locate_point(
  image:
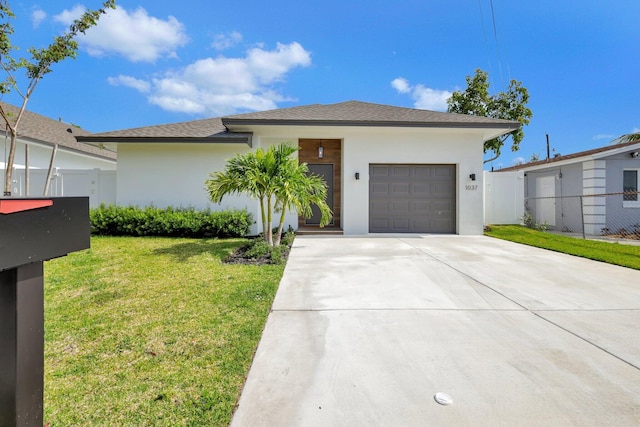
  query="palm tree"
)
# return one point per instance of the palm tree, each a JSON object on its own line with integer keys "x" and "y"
{"x": 297, "y": 189}
{"x": 630, "y": 137}
{"x": 276, "y": 180}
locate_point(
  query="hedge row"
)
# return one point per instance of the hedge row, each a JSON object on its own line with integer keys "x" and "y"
{"x": 151, "y": 221}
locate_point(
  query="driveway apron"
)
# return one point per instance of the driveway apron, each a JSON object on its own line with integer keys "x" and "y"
{"x": 368, "y": 331}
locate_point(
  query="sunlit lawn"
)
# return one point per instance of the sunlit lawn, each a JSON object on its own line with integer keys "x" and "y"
{"x": 151, "y": 331}
{"x": 612, "y": 253}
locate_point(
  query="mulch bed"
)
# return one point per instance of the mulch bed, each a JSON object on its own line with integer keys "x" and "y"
{"x": 239, "y": 257}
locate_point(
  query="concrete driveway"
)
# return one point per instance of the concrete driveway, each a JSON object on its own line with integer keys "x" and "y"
{"x": 366, "y": 330}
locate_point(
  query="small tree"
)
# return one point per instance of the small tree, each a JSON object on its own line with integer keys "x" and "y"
{"x": 277, "y": 181}
{"x": 62, "y": 47}
{"x": 509, "y": 105}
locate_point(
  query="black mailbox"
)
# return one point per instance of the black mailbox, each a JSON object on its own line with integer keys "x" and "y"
{"x": 31, "y": 231}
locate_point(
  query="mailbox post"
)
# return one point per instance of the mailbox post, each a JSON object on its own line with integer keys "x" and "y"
{"x": 31, "y": 231}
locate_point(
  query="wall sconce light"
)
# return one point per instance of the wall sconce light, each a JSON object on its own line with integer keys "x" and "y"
{"x": 320, "y": 152}
{"x": 635, "y": 154}
{"x": 472, "y": 177}
{"x": 357, "y": 175}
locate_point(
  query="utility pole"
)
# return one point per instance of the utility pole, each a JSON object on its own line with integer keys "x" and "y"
{"x": 548, "y": 152}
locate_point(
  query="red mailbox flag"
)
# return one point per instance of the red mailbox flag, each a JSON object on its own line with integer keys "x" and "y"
{"x": 9, "y": 206}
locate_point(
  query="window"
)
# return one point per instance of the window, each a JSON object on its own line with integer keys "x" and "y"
{"x": 630, "y": 188}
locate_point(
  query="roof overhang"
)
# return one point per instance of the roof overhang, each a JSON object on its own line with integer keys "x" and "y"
{"x": 488, "y": 130}
{"x": 572, "y": 158}
{"x": 227, "y": 138}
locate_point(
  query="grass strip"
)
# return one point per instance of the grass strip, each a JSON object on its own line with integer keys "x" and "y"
{"x": 151, "y": 331}
{"x": 609, "y": 252}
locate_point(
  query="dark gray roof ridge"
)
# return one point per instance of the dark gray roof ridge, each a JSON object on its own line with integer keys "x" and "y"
{"x": 359, "y": 113}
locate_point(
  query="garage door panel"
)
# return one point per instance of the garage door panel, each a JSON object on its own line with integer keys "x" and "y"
{"x": 401, "y": 207}
{"x": 401, "y": 224}
{"x": 380, "y": 188}
{"x": 441, "y": 188}
{"x": 380, "y": 224}
{"x": 421, "y": 189}
{"x": 400, "y": 171}
{"x": 400, "y": 188}
{"x": 412, "y": 198}
{"x": 443, "y": 171}
{"x": 422, "y": 171}
{"x": 382, "y": 207}
{"x": 378, "y": 171}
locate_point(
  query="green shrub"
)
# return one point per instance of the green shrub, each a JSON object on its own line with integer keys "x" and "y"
{"x": 151, "y": 221}
{"x": 529, "y": 221}
{"x": 258, "y": 248}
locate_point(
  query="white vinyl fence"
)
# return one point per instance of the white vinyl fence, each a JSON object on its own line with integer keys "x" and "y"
{"x": 98, "y": 184}
{"x": 503, "y": 197}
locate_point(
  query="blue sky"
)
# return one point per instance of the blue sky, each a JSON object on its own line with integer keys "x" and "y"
{"x": 159, "y": 61}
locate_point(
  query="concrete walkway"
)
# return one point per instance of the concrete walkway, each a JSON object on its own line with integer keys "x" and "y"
{"x": 366, "y": 330}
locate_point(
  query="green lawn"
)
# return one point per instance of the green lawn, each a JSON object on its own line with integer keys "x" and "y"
{"x": 612, "y": 253}
{"x": 151, "y": 331}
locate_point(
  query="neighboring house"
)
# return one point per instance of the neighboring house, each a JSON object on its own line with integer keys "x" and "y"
{"x": 41, "y": 134}
{"x": 388, "y": 169}
{"x": 595, "y": 189}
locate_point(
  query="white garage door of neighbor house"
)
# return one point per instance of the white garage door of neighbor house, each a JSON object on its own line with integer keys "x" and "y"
{"x": 406, "y": 198}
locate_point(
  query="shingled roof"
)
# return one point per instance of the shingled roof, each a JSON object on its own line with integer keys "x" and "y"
{"x": 44, "y": 130}
{"x": 351, "y": 113}
{"x": 633, "y": 145}
{"x": 357, "y": 113}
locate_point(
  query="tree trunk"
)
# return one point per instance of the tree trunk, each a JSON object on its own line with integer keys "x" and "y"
{"x": 264, "y": 219}
{"x": 268, "y": 232}
{"x": 278, "y": 238}
{"x": 48, "y": 180}
{"x": 8, "y": 173}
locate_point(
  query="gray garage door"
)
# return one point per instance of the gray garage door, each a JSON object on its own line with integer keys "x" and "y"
{"x": 412, "y": 198}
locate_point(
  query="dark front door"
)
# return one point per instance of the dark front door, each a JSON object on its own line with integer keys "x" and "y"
{"x": 326, "y": 172}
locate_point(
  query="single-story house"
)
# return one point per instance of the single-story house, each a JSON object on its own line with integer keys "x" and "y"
{"x": 389, "y": 169}
{"x": 596, "y": 189}
{"x": 41, "y": 133}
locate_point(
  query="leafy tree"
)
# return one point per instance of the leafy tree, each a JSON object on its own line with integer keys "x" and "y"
{"x": 279, "y": 183}
{"x": 63, "y": 47}
{"x": 509, "y": 105}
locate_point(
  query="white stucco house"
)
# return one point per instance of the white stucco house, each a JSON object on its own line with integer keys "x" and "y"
{"x": 595, "y": 191}
{"x": 41, "y": 133}
{"x": 389, "y": 169}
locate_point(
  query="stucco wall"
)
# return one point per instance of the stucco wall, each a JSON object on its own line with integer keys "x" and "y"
{"x": 165, "y": 175}
{"x": 620, "y": 214}
{"x": 174, "y": 174}
{"x": 362, "y": 146}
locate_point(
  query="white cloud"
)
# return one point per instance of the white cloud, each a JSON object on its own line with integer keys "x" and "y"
{"x": 222, "y": 85}
{"x": 424, "y": 98}
{"x": 67, "y": 17}
{"x": 518, "y": 161}
{"x": 606, "y": 136}
{"x": 132, "y": 34}
{"x": 128, "y": 81}
{"x": 635, "y": 130}
{"x": 401, "y": 85}
{"x": 225, "y": 41}
{"x": 37, "y": 16}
